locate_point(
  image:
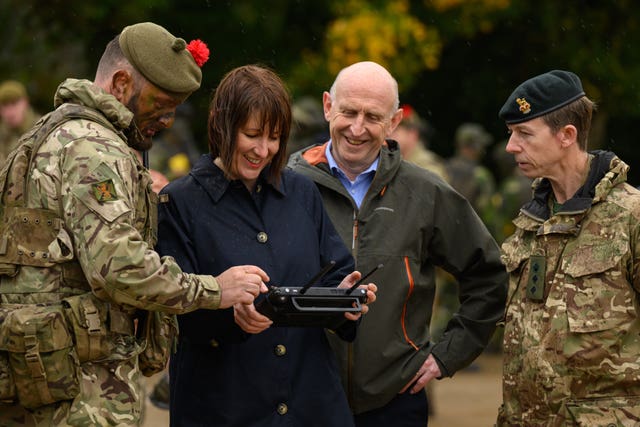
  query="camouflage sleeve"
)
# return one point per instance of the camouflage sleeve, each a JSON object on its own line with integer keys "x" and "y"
{"x": 635, "y": 245}
{"x": 99, "y": 195}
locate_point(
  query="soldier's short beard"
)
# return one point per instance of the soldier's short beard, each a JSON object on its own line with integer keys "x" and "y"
{"x": 135, "y": 139}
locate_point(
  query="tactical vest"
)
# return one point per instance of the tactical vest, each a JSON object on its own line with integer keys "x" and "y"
{"x": 25, "y": 233}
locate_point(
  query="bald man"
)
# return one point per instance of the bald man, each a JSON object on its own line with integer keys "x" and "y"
{"x": 392, "y": 212}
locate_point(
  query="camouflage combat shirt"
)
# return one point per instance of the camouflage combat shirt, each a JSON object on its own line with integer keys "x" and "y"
{"x": 571, "y": 342}
{"x": 87, "y": 174}
{"x": 9, "y": 136}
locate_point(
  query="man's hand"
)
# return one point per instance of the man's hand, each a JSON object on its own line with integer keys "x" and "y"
{"x": 428, "y": 371}
{"x": 241, "y": 284}
{"x": 371, "y": 288}
{"x": 248, "y": 318}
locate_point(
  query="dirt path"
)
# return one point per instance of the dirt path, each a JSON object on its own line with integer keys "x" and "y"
{"x": 470, "y": 399}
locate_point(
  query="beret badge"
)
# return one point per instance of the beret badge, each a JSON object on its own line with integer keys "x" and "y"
{"x": 525, "y": 107}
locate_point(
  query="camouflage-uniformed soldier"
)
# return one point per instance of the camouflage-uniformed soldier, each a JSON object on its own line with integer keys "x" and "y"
{"x": 77, "y": 229}
{"x": 16, "y": 116}
{"x": 572, "y": 343}
{"x": 467, "y": 175}
{"x": 411, "y": 136}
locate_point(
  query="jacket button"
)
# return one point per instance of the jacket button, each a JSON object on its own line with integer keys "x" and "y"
{"x": 214, "y": 343}
{"x": 281, "y": 350}
{"x": 282, "y": 408}
{"x": 262, "y": 237}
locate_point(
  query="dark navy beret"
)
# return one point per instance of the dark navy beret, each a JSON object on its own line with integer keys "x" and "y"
{"x": 541, "y": 95}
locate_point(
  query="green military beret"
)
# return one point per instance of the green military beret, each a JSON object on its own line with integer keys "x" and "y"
{"x": 11, "y": 91}
{"x": 541, "y": 95}
{"x": 160, "y": 57}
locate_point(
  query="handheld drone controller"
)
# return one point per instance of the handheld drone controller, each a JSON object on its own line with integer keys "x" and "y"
{"x": 313, "y": 306}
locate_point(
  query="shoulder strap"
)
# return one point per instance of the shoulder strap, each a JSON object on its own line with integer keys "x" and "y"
{"x": 15, "y": 193}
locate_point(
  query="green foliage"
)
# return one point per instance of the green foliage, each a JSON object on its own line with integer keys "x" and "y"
{"x": 455, "y": 60}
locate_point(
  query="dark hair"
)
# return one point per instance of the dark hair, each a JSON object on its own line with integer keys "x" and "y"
{"x": 242, "y": 92}
{"x": 577, "y": 113}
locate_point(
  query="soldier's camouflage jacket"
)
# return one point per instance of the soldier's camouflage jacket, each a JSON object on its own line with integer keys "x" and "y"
{"x": 87, "y": 186}
{"x": 571, "y": 342}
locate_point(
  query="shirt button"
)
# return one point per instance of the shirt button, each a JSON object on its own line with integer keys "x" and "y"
{"x": 262, "y": 237}
{"x": 280, "y": 350}
{"x": 282, "y": 408}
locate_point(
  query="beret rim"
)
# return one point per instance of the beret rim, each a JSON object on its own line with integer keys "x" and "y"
{"x": 542, "y": 113}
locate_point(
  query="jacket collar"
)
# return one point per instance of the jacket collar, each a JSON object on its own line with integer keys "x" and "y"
{"x": 86, "y": 93}
{"x": 215, "y": 184}
{"x": 389, "y": 159}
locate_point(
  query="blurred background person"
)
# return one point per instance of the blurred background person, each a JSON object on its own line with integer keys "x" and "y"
{"x": 513, "y": 191}
{"x": 309, "y": 126}
{"x": 16, "y": 116}
{"x": 476, "y": 183}
{"x": 413, "y": 134}
{"x": 175, "y": 149}
{"x": 466, "y": 172}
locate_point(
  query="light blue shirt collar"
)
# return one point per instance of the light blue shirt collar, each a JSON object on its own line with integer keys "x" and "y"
{"x": 357, "y": 188}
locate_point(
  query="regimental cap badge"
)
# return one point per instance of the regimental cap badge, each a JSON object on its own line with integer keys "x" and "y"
{"x": 525, "y": 107}
{"x": 105, "y": 191}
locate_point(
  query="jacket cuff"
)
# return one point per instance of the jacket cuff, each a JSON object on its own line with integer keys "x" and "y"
{"x": 444, "y": 372}
{"x": 211, "y": 292}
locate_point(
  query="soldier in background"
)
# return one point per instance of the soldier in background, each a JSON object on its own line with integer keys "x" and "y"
{"x": 309, "y": 126}
{"x": 84, "y": 298}
{"x": 175, "y": 149}
{"x": 412, "y": 135}
{"x": 466, "y": 173}
{"x": 16, "y": 116}
{"x": 476, "y": 183}
{"x": 514, "y": 190}
{"x": 571, "y": 342}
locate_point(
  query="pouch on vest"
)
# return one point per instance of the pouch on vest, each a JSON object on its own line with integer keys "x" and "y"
{"x": 7, "y": 385}
{"x": 42, "y": 360}
{"x": 158, "y": 331}
{"x": 87, "y": 316}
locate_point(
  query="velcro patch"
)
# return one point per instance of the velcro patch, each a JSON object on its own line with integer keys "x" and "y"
{"x": 105, "y": 191}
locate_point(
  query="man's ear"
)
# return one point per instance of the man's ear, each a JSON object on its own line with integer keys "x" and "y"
{"x": 568, "y": 135}
{"x": 395, "y": 120}
{"x": 122, "y": 85}
{"x": 326, "y": 105}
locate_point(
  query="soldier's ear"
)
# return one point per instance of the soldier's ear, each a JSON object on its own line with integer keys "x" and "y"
{"x": 122, "y": 85}
{"x": 568, "y": 135}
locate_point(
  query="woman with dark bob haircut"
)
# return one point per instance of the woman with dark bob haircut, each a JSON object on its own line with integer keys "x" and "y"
{"x": 238, "y": 206}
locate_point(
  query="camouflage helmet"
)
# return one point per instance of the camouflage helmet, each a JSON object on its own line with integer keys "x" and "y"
{"x": 472, "y": 135}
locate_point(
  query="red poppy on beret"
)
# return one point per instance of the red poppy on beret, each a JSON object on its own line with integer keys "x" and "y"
{"x": 199, "y": 51}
